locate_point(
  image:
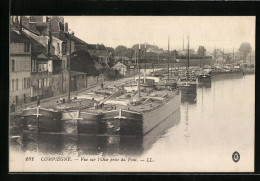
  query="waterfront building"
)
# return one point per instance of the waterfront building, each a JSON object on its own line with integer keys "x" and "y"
{"x": 19, "y": 68}
{"x": 122, "y": 68}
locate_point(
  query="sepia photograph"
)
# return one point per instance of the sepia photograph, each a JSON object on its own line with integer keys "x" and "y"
{"x": 132, "y": 93}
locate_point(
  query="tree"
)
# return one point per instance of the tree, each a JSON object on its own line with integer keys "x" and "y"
{"x": 129, "y": 53}
{"x": 111, "y": 51}
{"x": 120, "y": 50}
{"x": 82, "y": 61}
{"x": 245, "y": 49}
{"x": 201, "y": 51}
{"x": 151, "y": 48}
{"x": 175, "y": 53}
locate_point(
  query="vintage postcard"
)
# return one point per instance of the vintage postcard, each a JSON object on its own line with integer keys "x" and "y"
{"x": 132, "y": 93}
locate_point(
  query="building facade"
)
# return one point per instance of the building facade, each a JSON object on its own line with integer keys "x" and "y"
{"x": 122, "y": 68}
{"x": 19, "y": 68}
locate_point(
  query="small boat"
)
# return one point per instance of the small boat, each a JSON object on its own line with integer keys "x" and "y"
{"x": 169, "y": 82}
{"x": 146, "y": 84}
{"x": 205, "y": 77}
{"x": 188, "y": 83}
{"x": 188, "y": 87}
{"x": 188, "y": 79}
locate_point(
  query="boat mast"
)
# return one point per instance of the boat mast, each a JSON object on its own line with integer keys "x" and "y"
{"x": 223, "y": 55}
{"x": 233, "y": 55}
{"x": 135, "y": 57}
{"x": 171, "y": 62}
{"x": 215, "y": 54}
{"x": 188, "y": 51}
{"x": 168, "y": 57}
{"x": 158, "y": 57}
{"x": 203, "y": 58}
{"x": 139, "y": 73}
{"x": 145, "y": 63}
{"x": 183, "y": 42}
{"x": 250, "y": 57}
{"x": 174, "y": 59}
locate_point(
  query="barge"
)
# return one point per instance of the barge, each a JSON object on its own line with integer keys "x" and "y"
{"x": 141, "y": 116}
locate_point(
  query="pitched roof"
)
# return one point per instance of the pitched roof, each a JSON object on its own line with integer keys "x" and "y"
{"x": 98, "y": 65}
{"x": 18, "y": 38}
{"x": 28, "y": 29}
{"x": 75, "y": 39}
{"x": 58, "y": 35}
{"x": 54, "y": 57}
{"x": 118, "y": 62}
{"x": 40, "y": 56}
{"x": 36, "y": 46}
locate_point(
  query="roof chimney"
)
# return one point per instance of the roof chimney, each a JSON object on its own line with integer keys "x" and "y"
{"x": 72, "y": 33}
{"x": 66, "y": 28}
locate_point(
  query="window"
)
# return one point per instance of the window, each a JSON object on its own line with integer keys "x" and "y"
{"x": 24, "y": 98}
{"x": 42, "y": 67}
{"x": 45, "y": 67}
{"x": 12, "y": 84}
{"x": 25, "y": 83}
{"x": 26, "y": 47}
{"x": 16, "y": 84}
{"x": 39, "y": 67}
{"x": 28, "y": 82}
{"x": 13, "y": 65}
{"x": 45, "y": 83}
{"x": 48, "y": 82}
{"x": 58, "y": 47}
{"x": 34, "y": 65}
{"x": 40, "y": 83}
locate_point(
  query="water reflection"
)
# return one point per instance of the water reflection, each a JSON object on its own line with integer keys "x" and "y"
{"x": 186, "y": 132}
{"x": 189, "y": 98}
{"x": 204, "y": 84}
{"x": 78, "y": 144}
{"x": 226, "y": 77}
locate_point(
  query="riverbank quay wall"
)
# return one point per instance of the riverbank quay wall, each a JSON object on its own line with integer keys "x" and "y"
{"x": 178, "y": 63}
{"x": 93, "y": 80}
{"x": 79, "y": 81}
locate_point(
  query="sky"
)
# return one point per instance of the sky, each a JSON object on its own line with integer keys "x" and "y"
{"x": 225, "y": 32}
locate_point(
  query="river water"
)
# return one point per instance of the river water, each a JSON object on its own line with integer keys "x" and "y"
{"x": 201, "y": 136}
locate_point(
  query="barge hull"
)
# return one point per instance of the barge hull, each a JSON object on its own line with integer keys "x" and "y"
{"x": 140, "y": 123}
{"x": 88, "y": 123}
